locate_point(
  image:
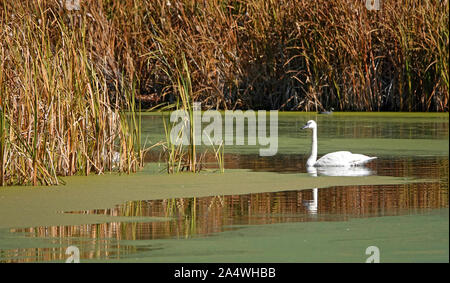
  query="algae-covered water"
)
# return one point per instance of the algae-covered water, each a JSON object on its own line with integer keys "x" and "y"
{"x": 262, "y": 209}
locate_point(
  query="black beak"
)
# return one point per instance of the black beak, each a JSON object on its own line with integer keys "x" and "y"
{"x": 304, "y": 127}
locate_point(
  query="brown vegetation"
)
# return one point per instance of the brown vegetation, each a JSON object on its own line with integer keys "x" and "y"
{"x": 66, "y": 73}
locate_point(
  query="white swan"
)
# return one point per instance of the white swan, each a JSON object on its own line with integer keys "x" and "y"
{"x": 338, "y": 158}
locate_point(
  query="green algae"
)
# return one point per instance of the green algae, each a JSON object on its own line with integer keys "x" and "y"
{"x": 44, "y": 206}
{"x": 11, "y": 241}
{"x": 408, "y": 238}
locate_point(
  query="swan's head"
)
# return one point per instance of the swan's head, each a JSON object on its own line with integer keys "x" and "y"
{"x": 310, "y": 125}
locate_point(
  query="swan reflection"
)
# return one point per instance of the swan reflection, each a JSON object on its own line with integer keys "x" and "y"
{"x": 312, "y": 205}
{"x": 352, "y": 171}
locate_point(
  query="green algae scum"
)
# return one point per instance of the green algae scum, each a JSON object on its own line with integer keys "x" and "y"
{"x": 261, "y": 209}
{"x": 179, "y": 131}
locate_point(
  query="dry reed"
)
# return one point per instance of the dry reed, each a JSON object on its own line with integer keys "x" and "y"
{"x": 61, "y": 113}
{"x": 67, "y": 77}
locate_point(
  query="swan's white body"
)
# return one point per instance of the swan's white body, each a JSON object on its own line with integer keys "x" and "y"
{"x": 338, "y": 158}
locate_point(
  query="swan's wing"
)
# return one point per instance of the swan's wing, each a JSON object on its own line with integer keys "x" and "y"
{"x": 343, "y": 158}
{"x": 359, "y": 159}
{"x": 334, "y": 159}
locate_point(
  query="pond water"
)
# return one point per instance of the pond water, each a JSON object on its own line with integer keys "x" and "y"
{"x": 409, "y": 220}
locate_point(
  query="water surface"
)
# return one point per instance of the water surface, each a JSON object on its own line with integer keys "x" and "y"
{"x": 409, "y": 221}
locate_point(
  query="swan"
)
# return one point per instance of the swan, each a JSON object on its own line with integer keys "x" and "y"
{"x": 338, "y": 158}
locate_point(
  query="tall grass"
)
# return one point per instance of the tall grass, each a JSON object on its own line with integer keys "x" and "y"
{"x": 3, "y": 130}
{"x": 298, "y": 54}
{"x": 181, "y": 157}
{"x": 58, "y": 117}
{"x": 68, "y": 78}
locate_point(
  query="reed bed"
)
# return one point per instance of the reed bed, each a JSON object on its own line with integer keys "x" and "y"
{"x": 69, "y": 74}
{"x": 292, "y": 54}
{"x": 61, "y": 112}
{"x": 178, "y": 155}
{"x": 266, "y": 54}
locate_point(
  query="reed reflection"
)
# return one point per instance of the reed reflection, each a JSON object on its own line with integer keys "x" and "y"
{"x": 190, "y": 217}
{"x": 194, "y": 217}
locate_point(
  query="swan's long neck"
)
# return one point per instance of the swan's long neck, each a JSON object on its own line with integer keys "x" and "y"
{"x": 312, "y": 159}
